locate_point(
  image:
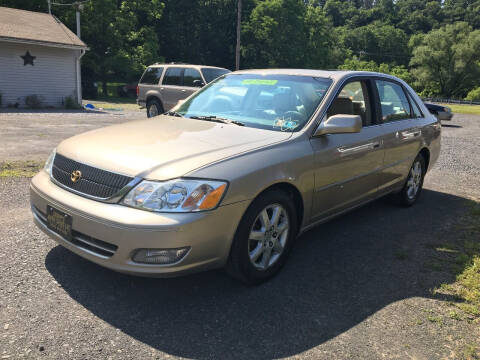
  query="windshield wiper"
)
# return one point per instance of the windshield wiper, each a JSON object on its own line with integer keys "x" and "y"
{"x": 217, "y": 119}
{"x": 173, "y": 113}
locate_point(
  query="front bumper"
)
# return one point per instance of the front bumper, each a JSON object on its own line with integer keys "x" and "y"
{"x": 110, "y": 234}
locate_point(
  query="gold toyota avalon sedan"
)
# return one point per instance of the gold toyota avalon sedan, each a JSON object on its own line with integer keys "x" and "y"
{"x": 231, "y": 176}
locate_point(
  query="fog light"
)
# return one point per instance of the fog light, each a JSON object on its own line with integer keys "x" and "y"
{"x": 160, "y": 256}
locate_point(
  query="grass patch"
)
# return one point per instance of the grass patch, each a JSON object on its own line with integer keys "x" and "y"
{"x": 463, "y": 260}
{"x": 26, "y": 168}
{"x": 464, "y": 109}
{"x": 112, "y": 103}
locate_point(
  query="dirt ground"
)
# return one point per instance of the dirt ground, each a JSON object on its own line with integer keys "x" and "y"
{"x": 358, "y": 287}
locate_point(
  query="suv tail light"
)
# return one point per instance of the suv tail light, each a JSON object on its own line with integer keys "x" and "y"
{"x": 137, "y": 90}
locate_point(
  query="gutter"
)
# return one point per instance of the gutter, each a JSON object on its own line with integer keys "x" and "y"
{"x": 79, "y": 77}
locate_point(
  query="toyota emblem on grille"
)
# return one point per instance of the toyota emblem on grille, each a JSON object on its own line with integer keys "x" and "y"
{"x": 76, "y": 175}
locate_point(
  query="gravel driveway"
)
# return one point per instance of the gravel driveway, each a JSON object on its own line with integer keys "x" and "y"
{"x": 358, "y": 287}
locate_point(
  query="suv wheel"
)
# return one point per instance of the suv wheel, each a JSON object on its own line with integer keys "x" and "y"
{"x": 263, "y": 238}
{"x": 154, "y": 108}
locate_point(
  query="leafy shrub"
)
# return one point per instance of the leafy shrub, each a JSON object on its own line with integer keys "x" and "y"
{"x": 474, "y": 94}
{"x": 70, "y": 103}
{"x": 33, "y": 101}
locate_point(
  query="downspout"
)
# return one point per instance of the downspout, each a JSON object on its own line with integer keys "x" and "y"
{"x": 79, "y": 78}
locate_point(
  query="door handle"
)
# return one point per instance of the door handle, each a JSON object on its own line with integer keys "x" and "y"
{"x": 407, "y": 135}
{"x": 359, "y": 148}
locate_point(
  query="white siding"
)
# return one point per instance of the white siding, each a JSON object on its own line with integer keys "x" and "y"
{"x": 52, "y": 78}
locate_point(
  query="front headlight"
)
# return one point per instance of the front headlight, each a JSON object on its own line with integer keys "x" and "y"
{"x": 49, "y": 163}
{"x": 178, "y": 195}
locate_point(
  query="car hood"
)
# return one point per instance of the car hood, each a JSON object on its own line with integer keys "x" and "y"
{"x": 164, "y": 147}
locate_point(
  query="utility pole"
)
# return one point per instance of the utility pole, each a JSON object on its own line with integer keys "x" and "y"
{"x": 49, "y": 7}
{"x": 239, "y": 23}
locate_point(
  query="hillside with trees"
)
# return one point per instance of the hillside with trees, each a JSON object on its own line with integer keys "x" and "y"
{"x": 434, "y": 45}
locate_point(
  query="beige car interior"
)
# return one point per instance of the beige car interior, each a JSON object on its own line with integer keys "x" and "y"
{"x": 351, "y": 101}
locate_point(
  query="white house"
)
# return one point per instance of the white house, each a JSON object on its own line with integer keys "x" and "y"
{"x": 38, "y": 56}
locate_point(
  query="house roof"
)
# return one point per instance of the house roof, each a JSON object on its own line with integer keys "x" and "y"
{"x": 38, "y": 28}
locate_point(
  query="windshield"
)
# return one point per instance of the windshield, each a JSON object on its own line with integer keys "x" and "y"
{"x": 273, "y": 102}
{"x": 212, "y": 73}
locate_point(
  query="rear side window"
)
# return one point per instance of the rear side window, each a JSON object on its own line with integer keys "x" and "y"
{"x": 211, "y": 74}
{"x": 393, "y": 101}
{"x": 416, "y": 112}
{"x": 190, "y": 75}
{"x": 151, "y": 76}
{"x": 173, "y": 76}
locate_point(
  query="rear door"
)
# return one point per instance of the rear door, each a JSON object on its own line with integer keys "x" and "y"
{"x": 149, "y": 81}
{"x": 401, "y": 132}
{"x": 172, "y": 89}
{"x": 347, "y": 166}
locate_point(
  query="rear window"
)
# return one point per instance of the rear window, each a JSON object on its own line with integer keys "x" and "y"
{"x": 211, "y": 74}
{"x": 151, "y": 76}
{"x": 173, "y": 76}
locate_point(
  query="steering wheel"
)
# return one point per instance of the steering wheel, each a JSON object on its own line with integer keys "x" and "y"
{"x": 294, "y": 115}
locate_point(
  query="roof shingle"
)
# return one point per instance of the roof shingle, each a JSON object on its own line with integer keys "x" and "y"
{"x": 43, "y": 28}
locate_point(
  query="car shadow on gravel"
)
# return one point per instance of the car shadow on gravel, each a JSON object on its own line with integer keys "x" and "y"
{"x": 339, "y": 274}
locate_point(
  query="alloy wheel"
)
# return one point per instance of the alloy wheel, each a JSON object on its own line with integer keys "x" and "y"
{"x": 414, "y": 180}
{"x": 268, "y": 236}
{"x": 152, "y": 110}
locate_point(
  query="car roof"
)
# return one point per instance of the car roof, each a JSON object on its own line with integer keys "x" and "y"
{"x": 332, "y": 74}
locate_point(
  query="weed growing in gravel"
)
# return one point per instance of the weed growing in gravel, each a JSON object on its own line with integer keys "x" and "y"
{"x": 26, "y": 168}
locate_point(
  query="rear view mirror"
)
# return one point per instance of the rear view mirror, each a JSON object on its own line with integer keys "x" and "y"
{"x": 198, "y": 83}
{"x": 339, "y": 124}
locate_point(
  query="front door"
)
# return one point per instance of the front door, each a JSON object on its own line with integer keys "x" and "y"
{"x": 347, "y": 166}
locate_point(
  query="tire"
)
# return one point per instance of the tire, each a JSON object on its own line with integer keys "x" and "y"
{"x": 413, "y": 185}
{"x": 255, "y": 259}
{"x": 154, "y": 108}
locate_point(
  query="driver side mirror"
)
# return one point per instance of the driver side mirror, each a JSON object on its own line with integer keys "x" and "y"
{"x": 198, "y": 83}
{"x": 339, "y": 124}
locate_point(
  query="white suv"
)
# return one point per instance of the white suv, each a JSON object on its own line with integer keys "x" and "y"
{"x": 163, "y": 85}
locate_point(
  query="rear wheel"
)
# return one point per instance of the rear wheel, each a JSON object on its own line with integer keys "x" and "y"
{"x": 154, "y": 108}
{"x": 413, "y": 186}
{"x": 264, "y": 238}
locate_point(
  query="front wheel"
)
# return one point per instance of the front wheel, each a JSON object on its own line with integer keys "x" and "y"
{"x": 413, "y": 186}
{"x": 264, "y": 238}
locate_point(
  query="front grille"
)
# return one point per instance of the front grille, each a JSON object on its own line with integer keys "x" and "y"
{"x": 93, "y": 182}
{"x": 82, "y": 241}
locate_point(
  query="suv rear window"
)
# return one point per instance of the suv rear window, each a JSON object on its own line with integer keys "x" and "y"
{"x": 173, "y": 76}
{"x": 151, "y": 76}
{"x": 211, "y": 73}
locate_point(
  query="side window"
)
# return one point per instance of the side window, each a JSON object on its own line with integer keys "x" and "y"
{"x": 190, "y": 75}
{"x": 416, "y": 112}
{"x": 393, "y": 101}
{"x": 173, "y": 76}
{"x": 151, "y": 76}
{"x": 353, "y": 100}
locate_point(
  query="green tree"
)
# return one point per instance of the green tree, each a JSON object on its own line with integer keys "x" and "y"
{"x": 447, "y": 61}
{"x": 286, "y": 33}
